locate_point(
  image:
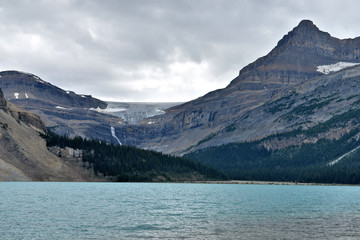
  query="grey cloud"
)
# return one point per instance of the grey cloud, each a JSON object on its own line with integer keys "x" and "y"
{"x": 124, "y": 49}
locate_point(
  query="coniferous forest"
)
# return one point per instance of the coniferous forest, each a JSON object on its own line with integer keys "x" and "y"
{"x": 305, "y": 163}
{"x": 126, "y": 163}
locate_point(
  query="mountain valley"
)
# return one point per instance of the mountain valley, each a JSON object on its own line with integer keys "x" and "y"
{"x": 285, "y": 117}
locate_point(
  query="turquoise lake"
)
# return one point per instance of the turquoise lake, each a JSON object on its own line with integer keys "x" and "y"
{"x": 35, "y": 210}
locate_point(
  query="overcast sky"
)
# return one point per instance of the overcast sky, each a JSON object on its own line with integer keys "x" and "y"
{"x": 154, "y": 50}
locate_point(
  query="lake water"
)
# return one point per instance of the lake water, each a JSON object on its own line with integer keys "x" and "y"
{"x": 177, "y": 211}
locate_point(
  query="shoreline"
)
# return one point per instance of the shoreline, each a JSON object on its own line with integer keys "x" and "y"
{"x": 244, "y": 182}
{"x": 267, "y": 183}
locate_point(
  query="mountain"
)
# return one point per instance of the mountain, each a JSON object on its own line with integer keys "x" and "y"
{"x": 28, "y": 152}
{"x": 23, "y": 153}
{"x": 234, "y": 113}
{"x": 63, "y": 111}
{"x": 309, "y": 133}
{"x": 292, "y": 115}
{"x": 21, "y": 86}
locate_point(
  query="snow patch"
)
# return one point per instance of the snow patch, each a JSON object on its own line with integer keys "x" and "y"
{"x": 326, "y": 69}
{"x": 151, "y": 122}
{"x": 38, "y": 79}
{"x": 67, "y": 92}
{"x": 114, "y": 135}
{"x": 24, "y": 72}
{"x": 332, "y": 163}
{"x": 160, "y": 111}
{"x": 26, "y": 95}
{"x": 108, "y": 110}
{"x": 83, "y": 96}
{"x": 16, "y": 95}
{"x": 96, "y": 109}
{"x": 59, "y": 107}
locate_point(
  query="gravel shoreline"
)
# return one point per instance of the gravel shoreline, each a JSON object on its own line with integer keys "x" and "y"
{"x": 268, "y": 183}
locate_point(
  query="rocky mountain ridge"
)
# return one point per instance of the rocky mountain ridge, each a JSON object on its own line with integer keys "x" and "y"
{"x": 19, "y": 86}
{"x": 63, "y": 111}
{"x": 212, "y": 119}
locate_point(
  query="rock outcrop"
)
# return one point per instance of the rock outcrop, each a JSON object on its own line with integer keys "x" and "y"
{"x": 2, "y": 100}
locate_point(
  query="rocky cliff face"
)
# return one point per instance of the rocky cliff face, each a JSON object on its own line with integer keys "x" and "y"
{"x": 23, "y": 153}
{"x": 296, "y": 57}
{"x": 2, "y": 100}
{"x": 200, "y": 123}
{"x": 21, "y": 115}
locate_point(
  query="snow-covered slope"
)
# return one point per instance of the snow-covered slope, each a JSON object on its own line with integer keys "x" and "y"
{"x": 326, "y": 69}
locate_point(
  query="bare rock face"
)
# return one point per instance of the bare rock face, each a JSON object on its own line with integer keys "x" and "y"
{"x": 2, "y": 100}
{"x": 29, "y": 119}
{"x": 295, "y": 58}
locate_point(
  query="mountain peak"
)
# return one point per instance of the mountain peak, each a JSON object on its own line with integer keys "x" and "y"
{"x": 306, "y": 27}
{"x": 307, "y": 24}
{"x": 297, "y": 54}
{"x": 305, "y": 31}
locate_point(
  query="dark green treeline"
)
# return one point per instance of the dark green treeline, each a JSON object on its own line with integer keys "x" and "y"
{"x": 126, "y": 163}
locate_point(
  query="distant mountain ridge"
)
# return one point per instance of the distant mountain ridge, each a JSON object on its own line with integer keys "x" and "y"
{"x": 63, "y": 111}
{"x": 19, "y": 85}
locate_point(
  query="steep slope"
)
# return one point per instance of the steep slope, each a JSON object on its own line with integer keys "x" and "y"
{"x": 304, "y": 105}
{"x": 23, "y": 153}
{"x": 320, "y": 143}
{"x": 294, "y": 60}
{"x": 63, "y": 111}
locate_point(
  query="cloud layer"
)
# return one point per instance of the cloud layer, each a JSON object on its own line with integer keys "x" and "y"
{"x": 154, "y": 50}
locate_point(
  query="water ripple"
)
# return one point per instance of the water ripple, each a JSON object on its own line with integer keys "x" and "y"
{"x": 177, "y": 211}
